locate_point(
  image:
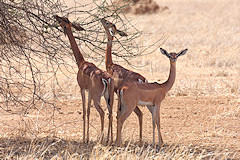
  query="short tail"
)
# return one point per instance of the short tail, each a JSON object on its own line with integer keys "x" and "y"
{"x": 108, "y": 90}
{"x": 120, "y": 99}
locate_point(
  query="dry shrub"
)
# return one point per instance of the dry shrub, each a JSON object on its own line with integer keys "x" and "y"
{"x": 15, "y": 35}
{"x": 141, "y": 6}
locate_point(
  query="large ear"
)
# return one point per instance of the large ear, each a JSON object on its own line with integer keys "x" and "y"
{"x": 121, "y": 33}
{"x": 77, "y": 27}
{"x": 182, "y": 52}
{"x": 164, "y": 52}
{"x": 56, "y": 16}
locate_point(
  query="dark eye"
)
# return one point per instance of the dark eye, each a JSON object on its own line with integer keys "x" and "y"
{"x": 106, "y": 23}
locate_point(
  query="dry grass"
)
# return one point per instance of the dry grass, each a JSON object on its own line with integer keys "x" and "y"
{"x": 53, "y": 148}
{"x": 199, "y": 119}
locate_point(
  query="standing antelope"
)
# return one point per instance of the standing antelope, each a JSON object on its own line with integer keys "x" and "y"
{"x": 91, "y": 79}
{"x": 119, "y": 73}
{"x": 152, "y": 94}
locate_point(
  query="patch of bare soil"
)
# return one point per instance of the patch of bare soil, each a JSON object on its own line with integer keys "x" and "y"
{"x": 141, "y": 6}
{"x": 207, "y": 121}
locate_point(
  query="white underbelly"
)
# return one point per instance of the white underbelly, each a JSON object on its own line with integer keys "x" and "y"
{"x": 142, "y": 103}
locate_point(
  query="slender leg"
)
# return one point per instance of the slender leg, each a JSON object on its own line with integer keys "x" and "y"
{"x": 84, "y": 112}
{"x": 88, "y": 114}
{"x": 160, "y": 141}
{"x": 123, "y": 115}
{"x": 119, "y": 130}
{"x": 101, "y": 112}
{"x": 150, "y": 108}
{"x": 119, "y": 124}
{"x": 110, "y": 118}
{"x": 140, "y": 118}
{"x": 154, "y": 123}
{"x": 110, "y": 130}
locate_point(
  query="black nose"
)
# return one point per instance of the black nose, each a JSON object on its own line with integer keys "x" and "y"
{"x": 56, "y": 16}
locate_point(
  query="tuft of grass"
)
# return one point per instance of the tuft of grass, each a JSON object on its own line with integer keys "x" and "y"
{"x": 55, "y": 148}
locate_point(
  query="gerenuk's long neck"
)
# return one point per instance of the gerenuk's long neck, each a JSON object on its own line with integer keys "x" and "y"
{"x": 171, "y": 78}
{"x": 77, "y": 54}
{"x": 109, "y": 53}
